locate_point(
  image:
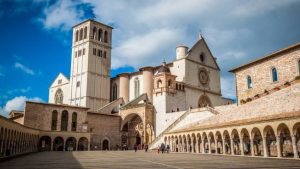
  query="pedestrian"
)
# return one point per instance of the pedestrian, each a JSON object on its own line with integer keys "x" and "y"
{"x": 168, "y": 148}
{"x": 162, "y": 147}
{"x": 146, "y": 147}
{"x": 135, "y": 148}
{"x": 158, "y": 149}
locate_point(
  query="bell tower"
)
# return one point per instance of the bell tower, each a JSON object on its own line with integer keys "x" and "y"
{"x": 90, "y": 64}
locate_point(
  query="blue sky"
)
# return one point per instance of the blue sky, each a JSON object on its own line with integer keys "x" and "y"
{"x": 36, "y": 37}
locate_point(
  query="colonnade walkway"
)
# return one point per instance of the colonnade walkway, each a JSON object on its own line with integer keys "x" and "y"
{"x": 140, "y": 159}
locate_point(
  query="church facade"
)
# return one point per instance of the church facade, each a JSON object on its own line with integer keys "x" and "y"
{"x": 178, "y": 103}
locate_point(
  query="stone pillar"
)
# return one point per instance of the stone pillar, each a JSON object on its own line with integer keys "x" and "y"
{"x": 223, "y": 146}
{"x": 64, "y": 146}
{"x": 52, "y": 142}
{"x": 266, "y": 154}
{"x": 197, "y": 146}
{"x": 216, "y": 147}
{"x": 209, "y": 147}
{"x": 278, "y": 144}
{"x": 203, "y": 147}
{"x": 295, "y": 150}
{"x": 89, "y": 146}
{"x": 231, "y": 146}
{"x": 252, "y": 147}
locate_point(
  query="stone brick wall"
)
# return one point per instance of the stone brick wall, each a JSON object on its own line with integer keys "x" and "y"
{"x": 39, "y": 116}
{"x": 287, "y": 67}
{"x": 103, "y": 126}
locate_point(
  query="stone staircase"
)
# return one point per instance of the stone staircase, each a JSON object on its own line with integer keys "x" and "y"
{"x": 159, "y": 138}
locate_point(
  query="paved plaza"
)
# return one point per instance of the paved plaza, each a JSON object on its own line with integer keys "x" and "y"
{"x": 132, "y": 160}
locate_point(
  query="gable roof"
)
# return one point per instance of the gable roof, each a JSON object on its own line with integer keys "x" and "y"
{"x": 201, "y": 39}
{"x": 60, "y": 74}
{"x": 274, "y": 54}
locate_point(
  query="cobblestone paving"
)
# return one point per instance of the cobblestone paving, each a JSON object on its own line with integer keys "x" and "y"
{"x": 140, "y": 160}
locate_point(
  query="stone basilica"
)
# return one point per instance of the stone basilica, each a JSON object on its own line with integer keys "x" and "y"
{"x": 178, "y": 103}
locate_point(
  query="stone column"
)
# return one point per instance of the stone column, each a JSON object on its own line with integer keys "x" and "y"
{"x": 52, "y": 142}
{"x": 216, "y": 147}
{"x": 89, "y": 145}
{"x": 278, "y": 144}
{"x": 197, "y": 146}
{"x": 252, "y": 147}
{"x": 223, "y": 146}
{"x": 202, "y": 146}
{"x": 209, "y": 147}
{"x": 266, "y": 154}
{"x": 295, "y": 150}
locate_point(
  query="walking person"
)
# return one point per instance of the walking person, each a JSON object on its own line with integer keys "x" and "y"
{"x": 162, "y": 147}
{"x": 158, "y": 149}
{"x": 146, "y": 147}
{"x": 135, "y": 147}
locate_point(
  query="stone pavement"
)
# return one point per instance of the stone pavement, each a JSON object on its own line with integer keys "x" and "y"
{"x": 140, "y": 160}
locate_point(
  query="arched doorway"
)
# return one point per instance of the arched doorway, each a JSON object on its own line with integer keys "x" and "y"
{"x": 83, "y": 144}
{"x": 58, "y": 144}
{"x": 45, "y": 143}
{"x": 132, "y": 132}
{"x": 70, "y": 144}
{"x": 105, "y": 144}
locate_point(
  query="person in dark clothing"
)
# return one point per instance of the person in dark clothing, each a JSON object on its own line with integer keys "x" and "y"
{"x": 146, "y": 147}
{"x": 135, "y": 147}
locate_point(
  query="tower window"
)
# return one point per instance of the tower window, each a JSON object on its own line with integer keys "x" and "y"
{"x": 81, "y": 34}
{"x": 104, "y": 55}
{"x": 249, "y": 82}
{"x": 59, "y": 81}
{"x": 114, "y": 91}
{"x": 78, "y": 84}
{"x": 79, "y": 53}
{"x": 76, "y": 36}
{"x": 274, "y": 75}
{"x": 85, "y": 33}
{"x": 105, "y": 37}
{"x": 83, "y": 51}
{"x": 75, "y": 54}
{"x": 94, "y": 51}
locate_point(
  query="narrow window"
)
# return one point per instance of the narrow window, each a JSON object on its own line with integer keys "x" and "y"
{"x": 79, "y": 53}
{"x": 176, "y": 86}
{"x": 100, "y": 53}
{"x": 85, "y": 33}
{"x": 78, "y": 84}
{"x": 54, "y": 120}
{"x": 83, "y": 51}
{"x": 104, "y": 55}
{"x": 202, "y": 57}
{"x": 94, "y": 51}
{"x": 169, "y": 83}
{"x": 100, "y": 35}
{"x": 81, "y": 34}
{"x": 64, "y": 121}
{"x": 105, "y": 37}
{"x": 249, "y": 82}
{"x": 75, "y": 54}
{"x": 59, "y": 81}
{"x": 274, "y": 75}
{"x": 74, "y": 121}
{"x": 136, "y": 87}
{"x": 115, "y": 92}
{"x": 76, "y": 36}
{"x": 159, "y": 83}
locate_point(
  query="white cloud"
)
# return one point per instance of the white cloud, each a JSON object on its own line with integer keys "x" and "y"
{"x": 61, "y": 15}
{"x": 145, "y": 48}
{"x": 24, "y": 68}
{"x": 17, "y": 103}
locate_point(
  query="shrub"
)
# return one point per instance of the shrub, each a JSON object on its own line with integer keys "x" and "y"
{"x": 266, "y": 91}
{"x": 249, "y": 100}
{"x": 242, "y": 101}
{"x": 297, "y": 77}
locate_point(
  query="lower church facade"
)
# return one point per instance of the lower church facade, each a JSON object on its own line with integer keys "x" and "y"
{"x": 178, "y": 103}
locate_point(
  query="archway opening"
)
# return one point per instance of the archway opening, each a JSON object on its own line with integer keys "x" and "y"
{"x": 257, "y": 142}
{"x": 105, "y": 144}
{"x": 246, "y": 142}
{"x": 270, "y": 141}
{"x": 83, "y": 144}
{"x": 285, "y": 141}
{"x": 58, "y": 144}
{"x": 70, "y": 144}
{"x": 45, "y": 143}
{"x": 236, "y": 142}
{"x": 133, "y": 132}
{"x": 227, "y": 143}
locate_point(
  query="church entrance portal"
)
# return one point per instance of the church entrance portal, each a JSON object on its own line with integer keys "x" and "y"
{"x": 132, "y": 132}
{"x": 105, "y": 145}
